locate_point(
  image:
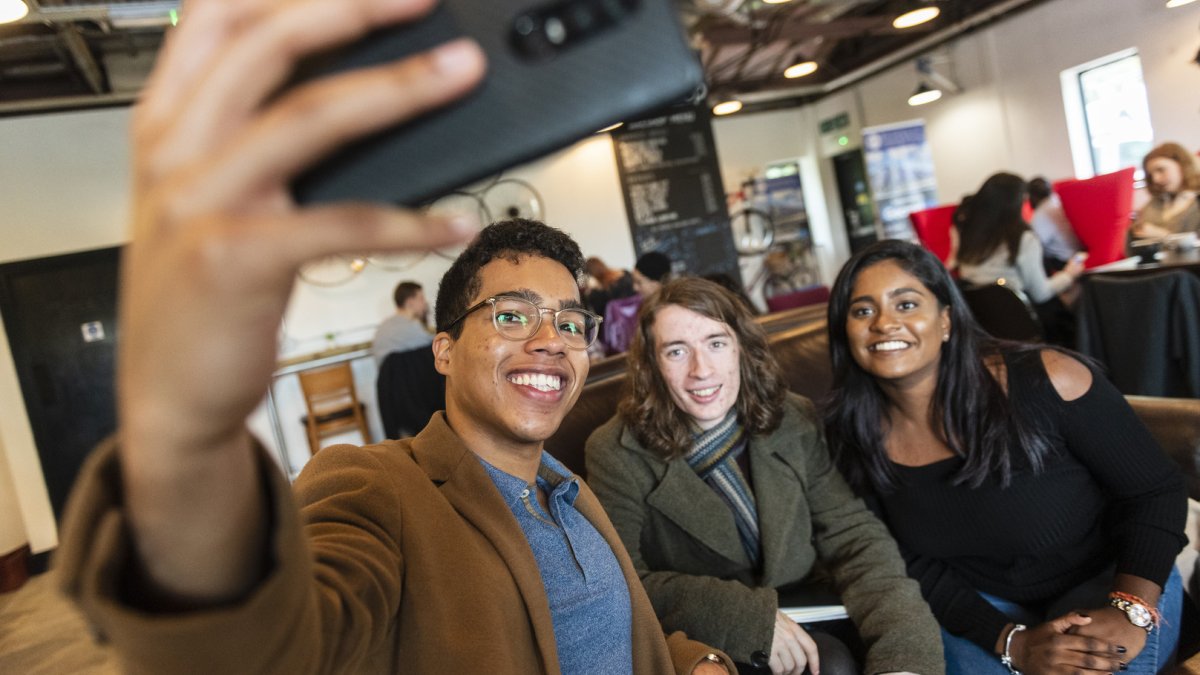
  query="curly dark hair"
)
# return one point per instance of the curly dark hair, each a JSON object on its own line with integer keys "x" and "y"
{"x": 647, "y": 406}
{"x": 508, "y": 239}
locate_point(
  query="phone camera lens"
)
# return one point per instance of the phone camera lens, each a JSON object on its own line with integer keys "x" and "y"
{"x": 556, "y": 32}
{"x": 524, "y": 25}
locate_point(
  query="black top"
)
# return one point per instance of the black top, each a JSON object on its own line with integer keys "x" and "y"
{"x": 1107, "y": 494}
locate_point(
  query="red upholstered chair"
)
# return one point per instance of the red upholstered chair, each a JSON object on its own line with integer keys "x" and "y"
{"x": 933, "y": 229}
{"x": 1098, "y": 209}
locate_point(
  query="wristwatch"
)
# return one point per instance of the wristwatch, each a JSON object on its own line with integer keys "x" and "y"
{"x": 1138, "y": 614}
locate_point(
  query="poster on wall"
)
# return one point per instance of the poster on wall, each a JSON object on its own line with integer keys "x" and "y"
{"x": 900, "y": 171}
{"x": 671, "y": 182}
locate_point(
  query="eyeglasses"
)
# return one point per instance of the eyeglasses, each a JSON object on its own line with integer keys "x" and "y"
{"x": 518, "y": 319}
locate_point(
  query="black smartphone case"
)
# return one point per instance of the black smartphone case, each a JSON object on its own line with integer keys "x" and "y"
{"x": 615, "y": 59}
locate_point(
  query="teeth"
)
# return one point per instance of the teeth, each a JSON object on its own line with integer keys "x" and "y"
{"x": 539, "y": 381}
{"x": 705, "y": 392}
{"x": 889, "y": 346}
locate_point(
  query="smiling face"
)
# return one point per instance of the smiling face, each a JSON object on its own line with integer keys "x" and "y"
{"x": 895, "y": 327}
{"x": 505, "y": 395}
{"x": 699, "y": 360}
{"x": 1165, "y": 173}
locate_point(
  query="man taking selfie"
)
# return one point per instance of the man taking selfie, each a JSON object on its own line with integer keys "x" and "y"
{"x": 463, "y": 550}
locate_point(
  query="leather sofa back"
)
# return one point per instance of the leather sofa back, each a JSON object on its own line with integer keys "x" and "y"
{"x": 801, "y": 345}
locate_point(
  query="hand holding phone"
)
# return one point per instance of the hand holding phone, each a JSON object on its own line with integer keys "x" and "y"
{"x": 558, "y": 70}
{"x": 1074, "y": 266}
{"x": 216, "y": 245}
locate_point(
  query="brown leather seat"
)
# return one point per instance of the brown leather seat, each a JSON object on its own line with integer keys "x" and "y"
{"x": 802, "y": 349}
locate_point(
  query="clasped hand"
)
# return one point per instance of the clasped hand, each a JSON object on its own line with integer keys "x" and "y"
{"x": 1098, "y": 640}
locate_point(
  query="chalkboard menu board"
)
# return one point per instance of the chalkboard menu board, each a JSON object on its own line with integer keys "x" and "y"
{"x": 673, "y": 192}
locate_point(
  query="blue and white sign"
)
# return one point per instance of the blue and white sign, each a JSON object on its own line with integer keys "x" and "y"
{"x": 900, "y": 170}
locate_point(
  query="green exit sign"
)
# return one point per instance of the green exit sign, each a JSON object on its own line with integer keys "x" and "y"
{"x": 834, "y": 123}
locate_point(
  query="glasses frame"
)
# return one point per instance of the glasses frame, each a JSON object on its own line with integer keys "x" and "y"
{"x": 537, "y": 326}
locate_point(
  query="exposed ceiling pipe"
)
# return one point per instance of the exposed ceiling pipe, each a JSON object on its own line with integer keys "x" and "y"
{"x": 135, "y": 15}
{"x": 922, "y": 45}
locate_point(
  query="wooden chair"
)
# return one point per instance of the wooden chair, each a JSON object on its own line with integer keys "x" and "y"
{"x": 332, "y": 404}
{"x": 1004, "y": 313}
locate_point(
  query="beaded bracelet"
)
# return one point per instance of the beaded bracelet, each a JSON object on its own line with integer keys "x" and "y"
{"x": 1155, "y": 617}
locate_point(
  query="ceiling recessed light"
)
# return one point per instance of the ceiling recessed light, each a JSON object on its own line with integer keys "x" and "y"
{"x": 916, "y": 17}
{"x": 775, "y": 2}
{"x": 12, "y": 10}
{"x": 1178, "y": 3}
{"x": 727, "y": 107}
{"x": 800, "y": 70}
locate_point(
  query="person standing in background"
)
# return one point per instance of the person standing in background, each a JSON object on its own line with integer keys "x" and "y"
{"x": 1173, "y": 180}
{"x": 406, "y": 330}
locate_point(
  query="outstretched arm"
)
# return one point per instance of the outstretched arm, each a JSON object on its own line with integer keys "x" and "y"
{"x": 216, "y": 243}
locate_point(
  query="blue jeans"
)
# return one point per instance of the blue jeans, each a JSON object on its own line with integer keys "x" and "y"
{"x": 964, "y": 657}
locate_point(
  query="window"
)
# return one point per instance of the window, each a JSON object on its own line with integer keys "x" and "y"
{"x": 1108, "y": 115}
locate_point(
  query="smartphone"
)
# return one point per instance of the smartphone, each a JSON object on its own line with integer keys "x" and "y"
{"x": 557, "y": 71}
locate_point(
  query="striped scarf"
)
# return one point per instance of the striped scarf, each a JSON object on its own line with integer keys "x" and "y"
{"x": 713, "y": 457}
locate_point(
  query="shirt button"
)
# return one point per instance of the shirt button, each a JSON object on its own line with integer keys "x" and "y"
{"x": 760, "y": 659}
{"x": 525, "y": 493}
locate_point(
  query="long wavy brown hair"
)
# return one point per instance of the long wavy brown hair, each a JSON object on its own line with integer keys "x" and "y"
{"x": 647, "y": 407}
{"x": 1178, "y": 154}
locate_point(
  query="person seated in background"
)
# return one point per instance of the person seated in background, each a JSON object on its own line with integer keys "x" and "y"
{"x": 992, "y": 241}
{"x": 650, "y": 271}
{"x": 1049, "y": 222}
{"x": 1173, "y": 180}
{"x": 610, "y": 284}
{"x": 464, "y": 550}
{"x": 406, "y": 329}
{"x": 620, "y": 317}
{"x": 1017, "y": 480}
{"x": 719, "y": 483}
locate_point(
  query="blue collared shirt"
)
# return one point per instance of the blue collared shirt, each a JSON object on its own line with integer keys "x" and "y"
{"x": 589, "y": 599}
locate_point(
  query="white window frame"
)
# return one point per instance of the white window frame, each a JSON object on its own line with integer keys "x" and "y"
{"x": 1077, "y": 125}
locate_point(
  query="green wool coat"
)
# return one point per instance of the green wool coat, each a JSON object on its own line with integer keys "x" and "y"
{"x": 685, "y": 545}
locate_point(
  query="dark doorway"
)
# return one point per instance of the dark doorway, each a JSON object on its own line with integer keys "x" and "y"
{"x": 858, "y": 210}
{"x": 60, "y": 314}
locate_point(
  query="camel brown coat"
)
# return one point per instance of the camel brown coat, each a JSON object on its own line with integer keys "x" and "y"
{"x": 402, "y": 557}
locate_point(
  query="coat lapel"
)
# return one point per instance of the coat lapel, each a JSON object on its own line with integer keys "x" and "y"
{"x": 466, "y": 486}
{"x": 780, "y": 499}
{"x": 686, "y": 500}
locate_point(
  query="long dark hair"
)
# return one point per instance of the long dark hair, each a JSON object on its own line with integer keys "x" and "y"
{"x": 969, "y": 412}
{"x": 647, "y": 407}
{"x": 991, "y": 218}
